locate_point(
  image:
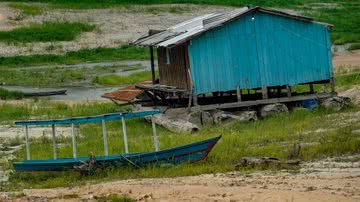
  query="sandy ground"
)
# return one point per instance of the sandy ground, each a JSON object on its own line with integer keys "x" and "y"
{"x": 115, "y": 26}
{"x": 327, "y": 180}
{"x": 348, "y": 58}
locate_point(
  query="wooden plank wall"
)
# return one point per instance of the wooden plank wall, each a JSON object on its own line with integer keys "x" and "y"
{"x": 175, "y": 73}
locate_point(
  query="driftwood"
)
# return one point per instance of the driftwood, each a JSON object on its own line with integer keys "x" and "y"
{"x": 89, "y": 166}
{"x": 265, "y": 162}
{"x": 174, "y": 124}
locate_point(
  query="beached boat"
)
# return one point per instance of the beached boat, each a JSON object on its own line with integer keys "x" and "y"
{"x": 45, "y": 93}
{"x": 186, "y": 153}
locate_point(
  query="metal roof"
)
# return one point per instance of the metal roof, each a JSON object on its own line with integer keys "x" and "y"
{"x": 185, "y": 31}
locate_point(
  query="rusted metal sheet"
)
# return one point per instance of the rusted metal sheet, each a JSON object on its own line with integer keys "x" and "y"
{"x": 126, "y": 94}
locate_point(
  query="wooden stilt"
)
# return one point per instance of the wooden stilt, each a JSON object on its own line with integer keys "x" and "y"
{"x": 311, "y": 87}
{"x": 288, "y": 88}
{"x": 27, "y": 143}
{"x": 264, "y": 92}
{"x": 195, "y": 99}
{"x": 238, "y": 94}
{"x": 152, "y": 65}
{"x": 278, "y": 89}
{"x": 73, "y": 141}
{"x": 54, "y": 141}
{"x": 106, "y": 150}
{"x": 125, "y": 135}
{"x": 332, "y": 84}
{"x": 156, "y": 141}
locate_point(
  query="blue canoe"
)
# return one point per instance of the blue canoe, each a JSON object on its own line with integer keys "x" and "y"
{"x": 186, "y": 153}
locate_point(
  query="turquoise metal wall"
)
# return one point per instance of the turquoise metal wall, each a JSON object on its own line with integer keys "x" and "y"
{"x": 258, "y": 50}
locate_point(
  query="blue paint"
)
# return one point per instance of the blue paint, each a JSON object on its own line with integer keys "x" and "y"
{"x": 260, "y": 49}
{"x": 90, "y": 119}
{"x": 310, "y": 104}
{"x": 186, "y": 153}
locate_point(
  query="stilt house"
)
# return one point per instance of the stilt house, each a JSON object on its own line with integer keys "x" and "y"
{"x": 239, "y": 53}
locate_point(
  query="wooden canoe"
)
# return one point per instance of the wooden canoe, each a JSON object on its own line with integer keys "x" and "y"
{"x": 187, "y": 153}
{"x": 45, "y": 93}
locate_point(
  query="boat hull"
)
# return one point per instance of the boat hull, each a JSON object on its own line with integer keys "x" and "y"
{"x": 186, "y": 153}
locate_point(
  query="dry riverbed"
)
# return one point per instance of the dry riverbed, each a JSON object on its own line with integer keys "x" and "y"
{"x": 336, "y": 179}
{"x": 115, "y": 26}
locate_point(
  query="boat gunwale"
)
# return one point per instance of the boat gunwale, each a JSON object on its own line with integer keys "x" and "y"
{"x": 116, "y": 156}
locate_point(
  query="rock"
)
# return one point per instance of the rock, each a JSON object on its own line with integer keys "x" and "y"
{"x": 246, "y": 116}
{"x": 335, "y": 103}
{"x": 200, "y": 118}
{"x": 272, "y": 109}
{"x": 221, "y": 116}
{"x": 252, "y": 162}
{"x": 265, "y": 162}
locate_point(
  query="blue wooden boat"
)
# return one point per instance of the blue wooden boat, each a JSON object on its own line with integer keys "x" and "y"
{"x": 187, "y": 153}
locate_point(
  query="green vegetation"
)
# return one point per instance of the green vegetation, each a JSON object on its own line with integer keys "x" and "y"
{"x": 43, "y": 109}
{"x": 49, "y": 77}
{"x": 26, "y": 9}
{"x": 354, "y": 46}
{"x": 7, "y": 95}
{"x": 348, "y": 80}
{"x": 57, "y": 76}
{"x": 85, "y": 55}
{"x": 113, "y": 198}
{"x": 48, "y": 31}
{"x": 344, "y": 15}
{"x": 273, "y": 136}
{"x": 116, "y": 80}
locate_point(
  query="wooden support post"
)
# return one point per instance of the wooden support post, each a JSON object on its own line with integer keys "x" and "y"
{"x": 311, "y": 86}
{"x": 156, "y": 141}
{"x": 278, "y": 89}
{"x": 54, "y": 141}
{"x": 264, "y": 92}
{"x": 106, "y": 150}
{"x": 152, "y": 65}
{"x": 195, "y": 99}
{"x": 27, "y": 143}
{"x": 73, "y": 141}
{"x": 288, "y": 92}
{"x": 332, "y": 84}
{"x": 125, "y": 135}
{"x": 238, "y": 94}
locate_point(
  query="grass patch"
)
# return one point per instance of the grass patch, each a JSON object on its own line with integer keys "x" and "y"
{"x": 354, "y": 46}
{"x": 57, "y": 76}
{"x": 46, "y": 32}
{"x": 49, "y": 77}
{"x": 8, "y": 95}
{"x": 347, "y": 80}
{"x": 116, "y": 80}
{"x": 85, "y": 55}
{"x": 269, "y": 137}
{"x": 43, "y": 109}
{"x": 26, "y": 9}
{"x": 113, "y": 198}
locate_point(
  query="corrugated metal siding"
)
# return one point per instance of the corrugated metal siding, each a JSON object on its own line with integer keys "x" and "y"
{"x": 267, "y": 50}
{"x": 175, "y": 73}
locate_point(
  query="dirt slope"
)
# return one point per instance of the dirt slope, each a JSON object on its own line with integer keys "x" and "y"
{"x": 328, "y": 180}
